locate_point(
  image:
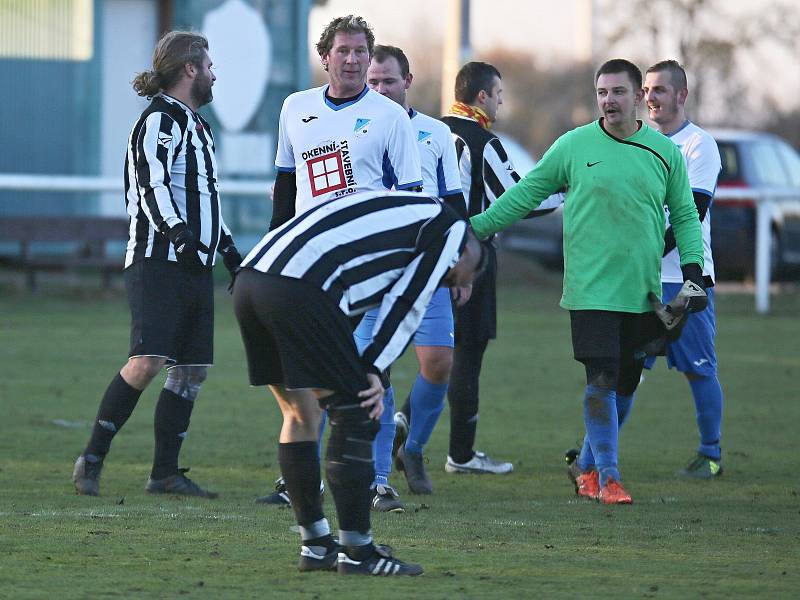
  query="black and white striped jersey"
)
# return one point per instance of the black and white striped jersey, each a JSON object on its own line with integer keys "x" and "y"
{"x": 387, "y": 249}
{"x": 486, "y": 170}
{"x": 171, "y": 177}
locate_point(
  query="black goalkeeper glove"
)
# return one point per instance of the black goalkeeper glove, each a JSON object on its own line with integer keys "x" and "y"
{"x": 185, "y": 246}
{"x": 232, "y": 260}
{"x": 693, "y": 276}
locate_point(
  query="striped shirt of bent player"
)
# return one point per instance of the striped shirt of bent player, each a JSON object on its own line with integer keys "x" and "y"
{"x": 392, "y": 253}
{"x": 171, "y": 177}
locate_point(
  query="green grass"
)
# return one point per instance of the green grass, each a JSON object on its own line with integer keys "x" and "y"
{"x": 523, "y": 535}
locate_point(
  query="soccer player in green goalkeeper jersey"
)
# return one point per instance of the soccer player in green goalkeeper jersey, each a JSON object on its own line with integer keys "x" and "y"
{"x": 620, "y": 174}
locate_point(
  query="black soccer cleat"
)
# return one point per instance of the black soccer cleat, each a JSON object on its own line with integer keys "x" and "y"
{"x": 400, "y": 432}
{"x": 413, "y": 467}
{"x": 177, "y": 485}
{"x": 280, "y": 497}
{"x": 311, "y": 561}
{"x": 86, "y": 476}
{"x": 380, "y": 562}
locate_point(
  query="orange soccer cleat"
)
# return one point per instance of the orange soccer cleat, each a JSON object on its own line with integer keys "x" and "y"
{"x": 587, "y": 485}
{"x": 613, "y": 493}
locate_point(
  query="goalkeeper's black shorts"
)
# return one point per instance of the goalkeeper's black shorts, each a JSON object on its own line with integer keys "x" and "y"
{"x": 611, "y": 334}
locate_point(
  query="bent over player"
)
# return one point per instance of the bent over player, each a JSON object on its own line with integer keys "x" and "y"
{"x": 293, "y": 298}
{"x": 176, "y": 229}
{"x": 620, "y": 174}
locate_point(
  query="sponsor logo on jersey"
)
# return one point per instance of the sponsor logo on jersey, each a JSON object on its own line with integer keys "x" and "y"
{"x": 309, "y": 118}
{"x": 164, "y": 139}
{"x": 424, "y": 136}
{"x": 591, "y": 164}
{"x": 330, "y": 169}
{"x": 362, "y": 126}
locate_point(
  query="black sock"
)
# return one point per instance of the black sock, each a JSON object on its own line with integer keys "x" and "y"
{"x": 463, "y": 397}
{"x": 406, "y": 410}
{"x": 325, "y": 541}
{"x": 299, "y": 463}
{"x": 170, "y": 423}
{"x": 350, "y": 486}
{"x": 116, "y": 406}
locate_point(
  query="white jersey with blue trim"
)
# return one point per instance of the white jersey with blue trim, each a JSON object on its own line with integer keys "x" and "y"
{"x": 703, "y": 165}
{"x": 437, "y": 155}
{"x": 363, "y": 145}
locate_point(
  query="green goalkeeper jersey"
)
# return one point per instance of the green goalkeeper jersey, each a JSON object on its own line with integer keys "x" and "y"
{"x": 613, "y": 213}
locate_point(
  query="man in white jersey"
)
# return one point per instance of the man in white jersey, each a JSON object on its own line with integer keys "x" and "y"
{"x": 693, "y": 354}
{"x": 341, "y": 138}
{"x": 389, "y": 74}
{"x": 336, "y": 140}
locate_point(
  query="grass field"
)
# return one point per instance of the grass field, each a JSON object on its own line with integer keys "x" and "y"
{"x": 519, "y": 536}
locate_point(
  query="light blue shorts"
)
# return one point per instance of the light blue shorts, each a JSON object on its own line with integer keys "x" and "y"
{"x": 436, "y": 328}
{"x": 694, "y": 351}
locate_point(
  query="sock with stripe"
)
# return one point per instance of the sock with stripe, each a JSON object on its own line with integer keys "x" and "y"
{"x": 116, "y": 407}
{"x": 382, "y": 446}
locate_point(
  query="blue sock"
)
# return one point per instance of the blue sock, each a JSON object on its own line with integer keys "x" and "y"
{"x": 427, "y": 403}
{"x": 586, "y": 458}
{"x": 382, "y": 446}
{"x": 708, "y": 404}
{"x": 600, "y": 419}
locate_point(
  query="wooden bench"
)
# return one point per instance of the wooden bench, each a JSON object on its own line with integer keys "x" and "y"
{"x": 83, "y": 239}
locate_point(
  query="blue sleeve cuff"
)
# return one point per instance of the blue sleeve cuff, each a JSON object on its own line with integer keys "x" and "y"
{"x": 285, "y": 169}
{"x": 405, "y": 186}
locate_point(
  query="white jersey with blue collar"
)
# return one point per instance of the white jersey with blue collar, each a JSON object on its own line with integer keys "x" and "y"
{"x": 366, "y": 144}
{"x": 703, "y": 165}
{"x": 437, "y": 154}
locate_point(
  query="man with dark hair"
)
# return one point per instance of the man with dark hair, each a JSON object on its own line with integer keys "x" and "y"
{"x": 389, "y": 74}
{"x": 294, "y": 297}
{"x": 486, "y": 172}
{"x": 340, "y": 139}
{"x": 176, "y": 229}
{"x": 620, "y": 174}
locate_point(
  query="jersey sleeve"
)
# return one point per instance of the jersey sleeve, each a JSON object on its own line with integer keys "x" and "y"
{"x": 284, "y": 158}
{"x": 158, "y": 141}
{"x": 683, "y": 213}
{"x": 703, "y": 165}
{"x": 447, "y": 174}
{"x": 545, "y": 179}
{"x": 401, "y": 165}
{"x": 498, "y": 172}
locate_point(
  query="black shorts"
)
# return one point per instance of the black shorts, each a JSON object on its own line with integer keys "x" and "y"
{"x": 295, "y": 336}
{"x": 611, "y": 334}
{"x": 172, "y": 312}
{"x": 476, "y": 321}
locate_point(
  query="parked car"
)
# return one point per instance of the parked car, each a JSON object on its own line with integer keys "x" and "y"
{"x": 754, "y": 160}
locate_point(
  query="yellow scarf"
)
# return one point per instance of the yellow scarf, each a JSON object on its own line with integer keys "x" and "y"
{"x": 472, "y": 112}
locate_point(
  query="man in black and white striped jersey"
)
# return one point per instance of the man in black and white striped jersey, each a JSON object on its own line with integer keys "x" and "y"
{"x": 293, "y": 298}
{"x": 176, "y": 229}
{"x": 486, "y": 172}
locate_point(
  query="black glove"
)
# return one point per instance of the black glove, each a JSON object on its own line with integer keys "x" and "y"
{"x": 693, "y": 276}
{"x": 185, "y": 246}
{"x": 232, "y": 260}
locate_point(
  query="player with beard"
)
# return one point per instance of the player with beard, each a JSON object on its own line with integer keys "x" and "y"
{"x": 176, "y": 229}
{"x": 620, "y": 174}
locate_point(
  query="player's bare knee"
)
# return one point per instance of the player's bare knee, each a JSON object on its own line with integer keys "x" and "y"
{"x": 139, "y": 371}
{"x": 436, "y": 366}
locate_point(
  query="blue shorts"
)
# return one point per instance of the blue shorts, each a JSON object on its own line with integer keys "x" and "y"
{"x": 694, "y": 351}
{"x": 436, "y": 328}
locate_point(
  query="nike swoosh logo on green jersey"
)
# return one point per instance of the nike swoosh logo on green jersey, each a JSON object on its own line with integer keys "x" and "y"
{"x": 588, "y": 164}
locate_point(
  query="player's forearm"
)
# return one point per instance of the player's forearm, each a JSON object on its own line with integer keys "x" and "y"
{"x": 283, "y": 199}
{"x": 513, "y": 205}
{"x": 688, "y": 234}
